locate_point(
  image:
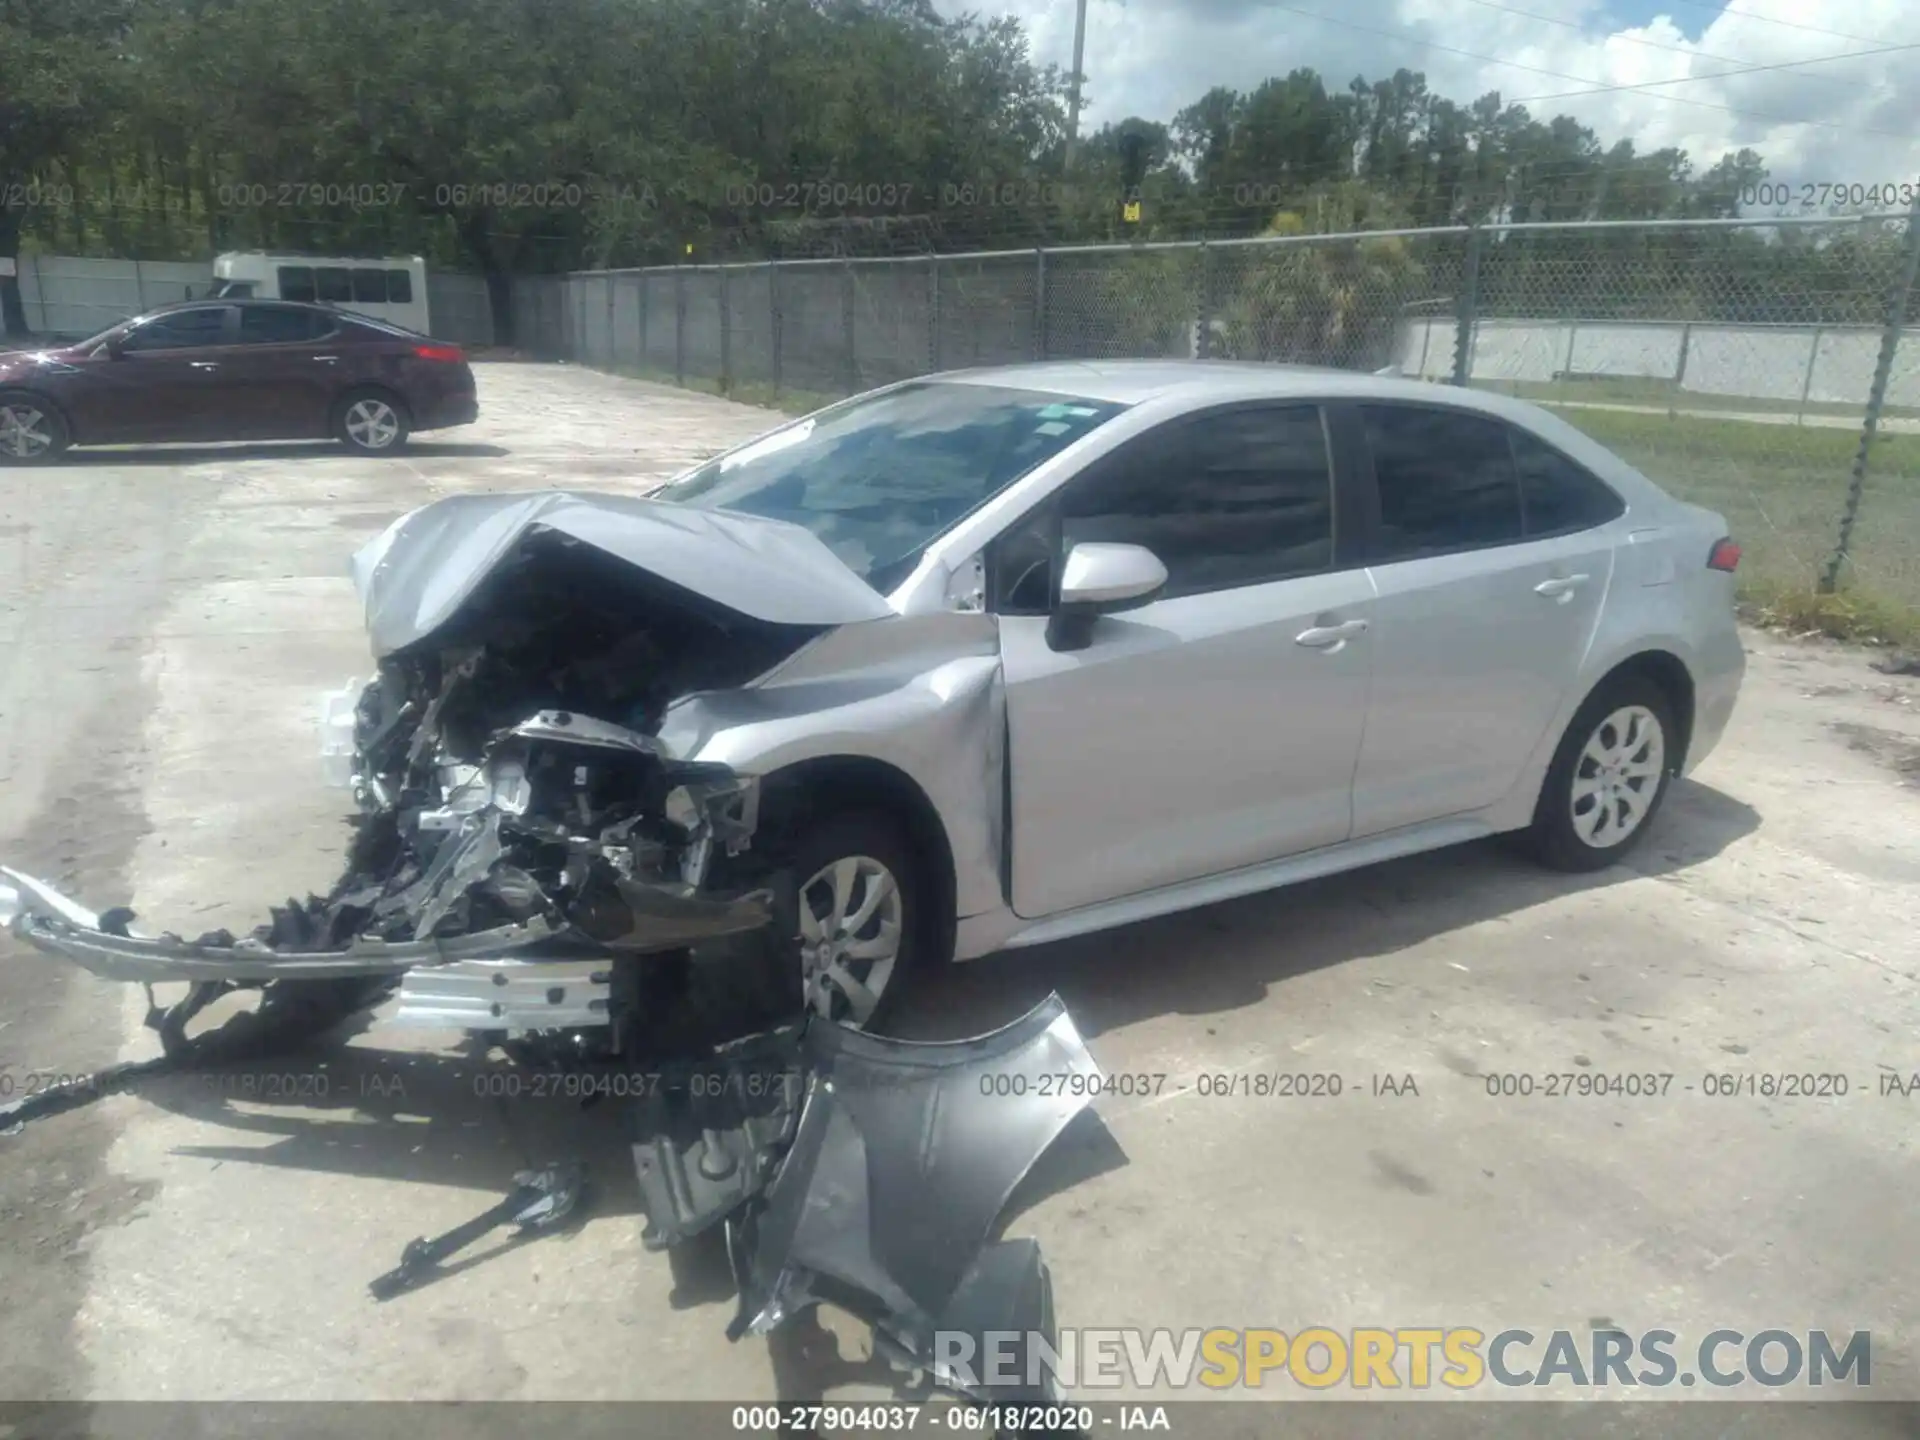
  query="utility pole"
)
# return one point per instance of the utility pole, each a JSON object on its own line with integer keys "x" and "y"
{"x": 1073, "y": 95}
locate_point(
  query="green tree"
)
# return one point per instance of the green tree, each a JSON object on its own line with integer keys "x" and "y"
{"x": 61, "y": 87}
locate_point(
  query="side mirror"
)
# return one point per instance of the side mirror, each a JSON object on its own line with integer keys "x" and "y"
{"x": 117, "y": 345}
{"x": 1101, "y": 579}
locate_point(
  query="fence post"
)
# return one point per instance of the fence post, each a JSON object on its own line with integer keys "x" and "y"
{"x": 726, "y": 351}
{"x": 1680, "y": 370}
{"x": 139, "y": 289}
{"x": 1806, "y": 383}
{"x": 846, "y": 316}
{"x": 773, "y": 320}
{"x": 644, "y": 278}
{"x": 680, "y": 324}
{"x": 1876, "y": 398}
{"x": 933, "y": 312}
{"x": 1039, "y": 302}
{"x": 1204, "y": 342}
{"x": 613, "y": 352}
{"x": 1466, "y": 314}
{"x": 579, "y": 286}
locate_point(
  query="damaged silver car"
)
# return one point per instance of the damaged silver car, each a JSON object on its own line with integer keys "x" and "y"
{"x": 978, "y": 661}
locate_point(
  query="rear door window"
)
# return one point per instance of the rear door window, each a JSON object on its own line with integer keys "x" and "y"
{"x": 280, "y": 325}
{"x": 399, "y": 287}
{"x": 1447, "y": 481}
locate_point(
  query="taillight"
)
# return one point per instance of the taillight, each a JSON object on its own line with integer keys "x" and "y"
{"x": 451, "y": 354}
{"x": 1725, "y": 555}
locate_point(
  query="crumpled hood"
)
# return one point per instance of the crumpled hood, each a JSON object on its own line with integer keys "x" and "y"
{"x": 415, "y": 576}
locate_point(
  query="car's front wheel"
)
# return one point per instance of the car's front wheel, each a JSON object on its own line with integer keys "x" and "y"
{"x": 1607, "y": 780}
{"x": 32, "y": 432}
{"x": 371, "y": 422}
{"x": 861, "y": 930}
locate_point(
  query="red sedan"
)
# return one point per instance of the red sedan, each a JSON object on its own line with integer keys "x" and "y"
{"x": 234, "y": 370}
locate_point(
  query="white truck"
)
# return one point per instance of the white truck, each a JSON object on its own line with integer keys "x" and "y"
{"x": 392, "y": 288}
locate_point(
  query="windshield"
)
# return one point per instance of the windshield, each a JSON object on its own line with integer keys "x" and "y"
{"x": 114, "y": 329}
{"x": 878, "y": 479}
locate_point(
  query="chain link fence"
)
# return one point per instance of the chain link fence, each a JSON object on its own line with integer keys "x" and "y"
{"x": 1756, "y": 368}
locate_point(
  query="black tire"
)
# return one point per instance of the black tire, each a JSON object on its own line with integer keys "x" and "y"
{"x": 41, "y": 418}
{"x": 1555, "y": 837}
{"x": 368, "y": 415}
{"x": 873, "y": 836}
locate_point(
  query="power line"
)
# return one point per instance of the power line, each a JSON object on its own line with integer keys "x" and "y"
{"x": 1670, "y": 49}
{"x": 1721, "y": 75}
{"x": 1403, "y": 36}
{"x": 1769, "y": 20}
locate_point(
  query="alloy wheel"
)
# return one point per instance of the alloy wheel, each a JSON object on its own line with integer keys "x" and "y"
{"x": 25, "y": 433}
{"x": 1617, "y": 776}
{"x": 850, "y": 937}
{"x": 372, "y": 423}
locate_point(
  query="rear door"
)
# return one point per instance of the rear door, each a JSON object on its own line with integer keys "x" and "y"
{"x": 1218, "y": 726}
{"x": 1492, "y": 554}
{"x": 284, "y": 371}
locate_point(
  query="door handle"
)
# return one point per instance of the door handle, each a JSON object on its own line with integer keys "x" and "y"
{"x": 325, "y": 359}
{"x": 1560, "y": 587}
{"x": 1330, "y": 637}
{"x": 203, "y": 365}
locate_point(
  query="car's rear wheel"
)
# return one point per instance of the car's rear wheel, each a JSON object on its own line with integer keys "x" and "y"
{"x": 1608, "y": 778}
{"x": 861, "y": 928}
{"x": 32, "y": 432}
{"x": 373, "y": 422}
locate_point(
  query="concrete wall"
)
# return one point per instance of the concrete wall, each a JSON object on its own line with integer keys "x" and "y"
{"x": 1831, "y": 364}
{"x": 66, "y": 295}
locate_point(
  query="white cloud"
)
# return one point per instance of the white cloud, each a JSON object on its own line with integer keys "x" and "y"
{"x": 1151, "y": 57}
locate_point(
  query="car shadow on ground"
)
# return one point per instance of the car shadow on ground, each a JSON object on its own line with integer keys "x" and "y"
{"x": 1224, "y": 956}
{"x": 458, "y": 1118}
{"x": 275, "y": 450}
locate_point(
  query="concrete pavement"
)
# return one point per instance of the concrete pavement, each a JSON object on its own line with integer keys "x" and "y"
{"x": 168, "y": 622}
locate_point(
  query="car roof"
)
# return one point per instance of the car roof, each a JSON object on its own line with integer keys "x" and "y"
{"x": 1179, "y": 386}
{"x": 1200, "y": 382}
{"x": 245, "y": 302}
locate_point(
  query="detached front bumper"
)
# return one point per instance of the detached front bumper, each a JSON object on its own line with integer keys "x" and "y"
{"x": 35, "y": 912}
{"x": 513, "y": 978}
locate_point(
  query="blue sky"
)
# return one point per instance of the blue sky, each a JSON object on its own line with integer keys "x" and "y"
{"x": 1690, "y": 19}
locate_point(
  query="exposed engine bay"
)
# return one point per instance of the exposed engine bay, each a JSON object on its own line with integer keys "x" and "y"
{"x": 505, "y": 770}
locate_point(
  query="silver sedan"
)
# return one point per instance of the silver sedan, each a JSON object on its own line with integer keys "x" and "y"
{"x": 992, "y": 658}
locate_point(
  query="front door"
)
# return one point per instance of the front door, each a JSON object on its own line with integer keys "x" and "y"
{"x": 164, "y": 385}
{"x": 1216, "y": 727}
